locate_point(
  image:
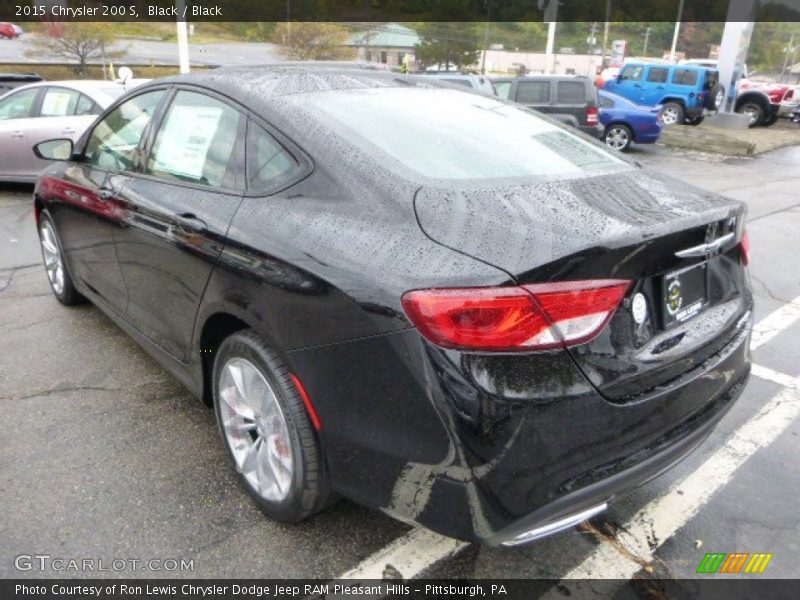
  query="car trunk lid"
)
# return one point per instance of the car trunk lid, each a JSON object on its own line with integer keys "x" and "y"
{"x": 681, "y": 307}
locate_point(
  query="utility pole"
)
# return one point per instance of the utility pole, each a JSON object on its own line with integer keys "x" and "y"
{"x": 675, "y": 35}
{"x": 550, "y": 18}
{"x": 605, "y": 33}
{"x": 646, "y": 38}
{"x": 786, "y": 52}
{"x": 183, "y": 37}
{"x": 486, "y": 37}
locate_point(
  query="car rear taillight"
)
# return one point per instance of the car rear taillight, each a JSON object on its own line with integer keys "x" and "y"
{"x": 591, "y": 115}
{"x": 744, "y": 248}
{"x": 515, "y": 318}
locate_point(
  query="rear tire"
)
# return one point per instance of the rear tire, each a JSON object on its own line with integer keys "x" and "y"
{"x": 618, "y": 137}
{"x": 54, "y": 263}
{"x": 266, "y": 429}
{"x": 716, "y": 96}
{"x": 673, "y": 113}
{"x": 752, "y": 111}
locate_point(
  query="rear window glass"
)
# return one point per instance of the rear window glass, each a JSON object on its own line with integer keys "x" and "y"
{"x": 657, "y": 75}
{"x": 533, "y": 91}
{"x": 462, "y": 82}
{"x": 502, "y": 88}
{"x": 445, "y": 134}
{"x": 684, "y": 77}
{"x": 571, "y": 92}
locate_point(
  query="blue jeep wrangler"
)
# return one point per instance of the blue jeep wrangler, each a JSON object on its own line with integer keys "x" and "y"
{"x": 685, "y": 91}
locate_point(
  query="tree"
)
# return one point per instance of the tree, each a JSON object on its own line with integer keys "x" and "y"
{"x": 449, "y": 44}
{"x": 77, "y": 42}
{"x": 312, "y": 41}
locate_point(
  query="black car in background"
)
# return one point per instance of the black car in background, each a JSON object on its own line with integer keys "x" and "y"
{"x": 9, "y": 81}
{"x": 570, "y": 99}
{"x": 433, "y": 302}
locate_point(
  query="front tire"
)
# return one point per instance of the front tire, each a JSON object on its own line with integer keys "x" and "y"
{"x": 54, "y": 263}
{"x": 618, "y": 137}
{"x": 770, "y": 121}
{"x": 753, "y": 112}
{"x": 266, "y": 429}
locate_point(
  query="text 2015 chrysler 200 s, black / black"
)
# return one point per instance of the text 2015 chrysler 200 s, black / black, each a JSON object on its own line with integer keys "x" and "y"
{"x": 433, "y": 302}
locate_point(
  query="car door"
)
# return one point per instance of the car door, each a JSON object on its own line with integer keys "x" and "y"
{"x": 88, "y": 211}
{"x": 653, "y": 85}
{"x": 58, "y": 116}
{"x": 17, "y": 114}
{"x": 176, "y": 214}
{"x": 628, "y": 83}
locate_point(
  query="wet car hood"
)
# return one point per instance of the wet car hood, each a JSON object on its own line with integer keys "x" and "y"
{"x": 521, "y": 227}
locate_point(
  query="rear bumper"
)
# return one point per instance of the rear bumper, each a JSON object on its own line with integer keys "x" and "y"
{"x": 486, "y": 448}
{"x": 596, "y": 131}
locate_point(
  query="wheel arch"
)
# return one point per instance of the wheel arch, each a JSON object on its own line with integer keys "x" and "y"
{"x": 675, "y": 99}
{"x": 755, "y": 96}
{"x": 215, "y": 328}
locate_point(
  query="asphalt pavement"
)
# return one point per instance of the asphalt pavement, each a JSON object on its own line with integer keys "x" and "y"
{"x": 103, "y": 455}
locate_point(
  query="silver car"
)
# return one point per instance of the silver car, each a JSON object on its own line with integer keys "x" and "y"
{"x": 42, "y": 111}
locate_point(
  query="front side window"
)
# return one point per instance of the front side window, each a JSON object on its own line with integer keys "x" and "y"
{"x": 631, "y": 73}
{"x": 533, "y": 92}
{"x": 684, "y": 77}
{"x": 268, "y": 163}
{"x": 571, "y": 92}
{"x": 114, "y": 141}
{"x": 18, "y": 105}
{"x": 197, "y": 142}
{"x": 446, "y": 134}
{"x": 657, "y": 75}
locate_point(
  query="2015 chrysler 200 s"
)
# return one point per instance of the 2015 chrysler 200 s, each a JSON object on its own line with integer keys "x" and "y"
{"x": 439, "y": 304}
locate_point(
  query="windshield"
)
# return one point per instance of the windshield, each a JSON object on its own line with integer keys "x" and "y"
{"x": 447, "y": 134}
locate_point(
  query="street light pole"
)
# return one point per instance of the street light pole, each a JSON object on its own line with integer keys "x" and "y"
{"x": 646, "y": 39}
{"x": 786, "y": 58}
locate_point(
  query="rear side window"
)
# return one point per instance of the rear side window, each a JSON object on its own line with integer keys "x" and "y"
{"x": 86, "y": 106}
{"x": 59, "y": 102}
{"x": 197, "y": 142}
{"x": 268, "y": 163}
{"x": 571, "y": 92}
{"x": 632, "y": 73}
{"x": 657, "y": 75}
{"x": 18, "y": 105}
{"x": 533, "y": 92}
{"x": 606, "y": 102}
{"x": 684, "y": 77}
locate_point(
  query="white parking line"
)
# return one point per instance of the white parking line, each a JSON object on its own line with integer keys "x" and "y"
{"x": 661, "y": 518}
{"x": 775, "y": 322}
{"x": 408, "y": 556}
{"x": 419, "y": 549}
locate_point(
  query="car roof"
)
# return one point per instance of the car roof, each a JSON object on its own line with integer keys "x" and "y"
{"x": 264, "y": 86}
{"x": 553, "y": 77}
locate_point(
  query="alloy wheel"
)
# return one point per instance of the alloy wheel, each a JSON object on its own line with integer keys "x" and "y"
{"x": 53, "y": 262}
{"x": 617, "y": 138}
{"x": 751, "y": 114}
{"x": 255, "y": 428}
{"x": 669, "y": 116}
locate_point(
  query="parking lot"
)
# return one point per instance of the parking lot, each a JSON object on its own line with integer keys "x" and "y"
{"x": 104, "y": 455}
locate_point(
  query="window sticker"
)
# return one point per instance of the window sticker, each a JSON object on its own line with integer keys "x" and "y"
{"x": 56, "y": 103}
{"x": 185, "y": 139}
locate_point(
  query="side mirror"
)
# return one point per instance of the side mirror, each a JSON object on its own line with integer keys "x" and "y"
{"x": 54, "y": 149}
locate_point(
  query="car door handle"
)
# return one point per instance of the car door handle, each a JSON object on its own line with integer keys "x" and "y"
{"x": 189, "y": 222}
{"x": 105, "y": 193}
{"x": 18, "y": 134}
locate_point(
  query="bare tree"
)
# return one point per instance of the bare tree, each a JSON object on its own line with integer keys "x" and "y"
{"x": 77, "y": 42}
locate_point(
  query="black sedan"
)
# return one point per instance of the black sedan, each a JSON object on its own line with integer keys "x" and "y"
{"x": 433, "y": 302}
